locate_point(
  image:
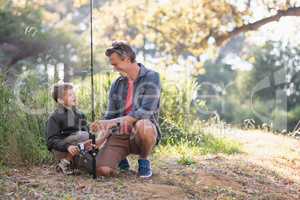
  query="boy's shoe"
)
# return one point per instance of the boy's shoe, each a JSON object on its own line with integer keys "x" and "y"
{"x": 144, "y": 168}
{"x": 124, "y": 165}
{"x": 64, "y": 166}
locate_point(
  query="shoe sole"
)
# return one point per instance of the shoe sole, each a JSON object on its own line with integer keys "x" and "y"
{"x": 146, "y": 176}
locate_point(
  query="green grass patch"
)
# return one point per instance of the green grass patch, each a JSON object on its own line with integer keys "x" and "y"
{"x": 186, "y": 160}
{"x": 186, "y": 151}
{"x": 3, "y": 167}
{"x": 213, "y": 145}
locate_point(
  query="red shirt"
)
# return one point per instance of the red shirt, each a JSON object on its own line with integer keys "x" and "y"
{"x": 129, "y": 98}
{"x": 128, "y": 104}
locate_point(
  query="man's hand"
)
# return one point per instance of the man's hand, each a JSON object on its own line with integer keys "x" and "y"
{"x": 95, "y": 126}
{"x": 73, "y": 150}
{"x": 102, "y": 125}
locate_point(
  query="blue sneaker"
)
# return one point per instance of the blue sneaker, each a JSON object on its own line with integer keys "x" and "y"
{"x": 144, "y": 168}
{"x": 124, "y": 165}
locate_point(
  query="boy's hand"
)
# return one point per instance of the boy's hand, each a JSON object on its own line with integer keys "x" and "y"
{"x": 73, "y": 150}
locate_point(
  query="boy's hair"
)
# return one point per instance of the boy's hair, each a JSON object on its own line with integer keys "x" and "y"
{"x": 59, "y": 90}
{"x": 122, "y": 49}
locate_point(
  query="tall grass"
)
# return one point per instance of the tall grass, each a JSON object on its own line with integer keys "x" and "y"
{"x": 21, "y": 134}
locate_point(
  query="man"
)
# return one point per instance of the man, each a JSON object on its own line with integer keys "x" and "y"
{"x": 134, "y": 101}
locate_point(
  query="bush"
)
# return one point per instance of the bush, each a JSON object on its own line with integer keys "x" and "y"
{"x": 21, "y": 134}
{"x": 179, "y": 120}
{"x": 293, "y": 118}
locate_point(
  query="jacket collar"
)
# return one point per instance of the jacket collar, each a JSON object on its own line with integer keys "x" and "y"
{"x": 143, "y": 70}
{"x": 62, "y": 108}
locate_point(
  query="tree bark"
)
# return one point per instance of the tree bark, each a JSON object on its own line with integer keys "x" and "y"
{"x": 67, "y": 72}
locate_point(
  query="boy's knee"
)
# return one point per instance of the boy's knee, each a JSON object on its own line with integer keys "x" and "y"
{"x": 105, "y": 171}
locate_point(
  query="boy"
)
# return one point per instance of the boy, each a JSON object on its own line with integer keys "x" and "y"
{"x": 66, "y": 127}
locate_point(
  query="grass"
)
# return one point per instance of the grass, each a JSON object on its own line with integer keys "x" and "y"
{"x": 213, "y": 145}
{"x": 185, "y": 152}
{"x": 186, "y": 160}
{"x": 3, "y": 167}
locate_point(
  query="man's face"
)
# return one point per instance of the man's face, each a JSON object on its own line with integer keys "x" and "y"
{"x": 69, "y": 98}
{"x": 117, "y": 62}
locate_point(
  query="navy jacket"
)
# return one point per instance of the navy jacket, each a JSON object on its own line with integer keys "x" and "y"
{"x": 146, "y": 99}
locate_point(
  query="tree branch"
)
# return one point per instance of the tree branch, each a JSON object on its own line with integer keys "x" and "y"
{"x": 256, "y": 25}
{"x": 21, "y": 49}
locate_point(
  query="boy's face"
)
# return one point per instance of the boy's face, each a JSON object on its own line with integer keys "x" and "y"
{"x": 69, "y": 99}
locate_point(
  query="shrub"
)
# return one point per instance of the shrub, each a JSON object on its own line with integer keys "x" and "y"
{"x": 21, "y": 134}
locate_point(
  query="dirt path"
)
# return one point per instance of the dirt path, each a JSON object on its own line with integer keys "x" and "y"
{"x": 269, "y": 169}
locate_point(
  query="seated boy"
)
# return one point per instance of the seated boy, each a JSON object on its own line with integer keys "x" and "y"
{"x": 66, "y": 127}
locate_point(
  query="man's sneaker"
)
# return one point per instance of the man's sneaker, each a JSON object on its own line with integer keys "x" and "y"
{"x": 64, "y": 166}
{"x": 144, "y": 168}
{"x": 124, "y": 165}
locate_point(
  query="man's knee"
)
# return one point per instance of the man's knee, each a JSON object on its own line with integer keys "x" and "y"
{"x": 145, "y": 128}
{"x": 105, "y": 171}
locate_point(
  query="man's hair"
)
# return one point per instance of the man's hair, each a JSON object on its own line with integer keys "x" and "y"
{"x": 122, "y": 49}
{"x": 59, "y": 90}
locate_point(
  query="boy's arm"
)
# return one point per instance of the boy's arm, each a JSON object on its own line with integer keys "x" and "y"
{"x": 52, "y": 136}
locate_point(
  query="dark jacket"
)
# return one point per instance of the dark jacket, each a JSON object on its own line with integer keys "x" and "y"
{"x": 62, "y": 123}
{"x": 146, "y": 100}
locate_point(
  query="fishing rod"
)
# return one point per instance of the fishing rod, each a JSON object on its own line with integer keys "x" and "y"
{"x": 92, "y": 136}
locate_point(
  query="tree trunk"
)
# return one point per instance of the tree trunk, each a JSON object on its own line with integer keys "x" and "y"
{"x": 55, "y": 78}
{"x": 67, "y": 72}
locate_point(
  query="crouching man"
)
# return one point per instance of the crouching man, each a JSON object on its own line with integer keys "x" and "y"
{"x": 134, "y": 101}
